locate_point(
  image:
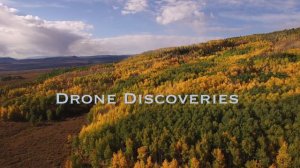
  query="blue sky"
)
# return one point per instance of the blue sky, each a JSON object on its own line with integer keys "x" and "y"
{"x": 94, "y": 27}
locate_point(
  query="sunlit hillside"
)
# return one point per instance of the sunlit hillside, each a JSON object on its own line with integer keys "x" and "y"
{"x": 262, "y": 130}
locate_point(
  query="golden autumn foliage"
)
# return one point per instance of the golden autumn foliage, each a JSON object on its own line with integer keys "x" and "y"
{"x": 194, "y": 163}
{"x": 219, "y": 161}
{"x": 264, "y": 70}
{"x": 283, "y": 160}
{"x": 119, "y": 160}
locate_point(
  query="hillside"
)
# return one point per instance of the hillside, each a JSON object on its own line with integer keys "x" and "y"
{"x": 262, "y": 130}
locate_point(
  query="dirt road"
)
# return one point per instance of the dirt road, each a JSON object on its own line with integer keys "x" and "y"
{"x": 24, "y": 146}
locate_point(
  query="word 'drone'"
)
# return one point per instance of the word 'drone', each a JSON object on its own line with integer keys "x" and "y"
{"x": 131, "y": 98}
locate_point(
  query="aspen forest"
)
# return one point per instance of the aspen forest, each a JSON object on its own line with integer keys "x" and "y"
{"x": 262, "y": 130}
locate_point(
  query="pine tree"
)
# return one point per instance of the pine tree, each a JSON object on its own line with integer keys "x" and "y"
{"x": 129, "y": 148}
{"x": 107, "y": 153}
{"x": 59, "y": 111}
{"x": 253, "y": 164}
{"x": 50, "y": 116}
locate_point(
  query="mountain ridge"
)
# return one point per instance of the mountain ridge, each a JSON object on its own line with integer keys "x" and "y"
{"x": 12, "y": 64}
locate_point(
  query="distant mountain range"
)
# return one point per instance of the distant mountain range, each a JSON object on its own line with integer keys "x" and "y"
{"x": 11, "y": 64}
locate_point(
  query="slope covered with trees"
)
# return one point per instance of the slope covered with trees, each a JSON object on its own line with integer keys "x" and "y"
{"x": 262, "y": 130}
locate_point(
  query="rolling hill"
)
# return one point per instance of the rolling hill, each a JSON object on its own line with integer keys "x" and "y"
{"x": 262, "y": 130}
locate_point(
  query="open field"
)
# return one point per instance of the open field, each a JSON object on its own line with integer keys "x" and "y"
{"x": 44, "y": 146}
{"x": 21, "y": 77}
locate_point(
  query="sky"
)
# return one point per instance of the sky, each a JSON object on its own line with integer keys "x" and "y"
{"x": 30, "y": 28}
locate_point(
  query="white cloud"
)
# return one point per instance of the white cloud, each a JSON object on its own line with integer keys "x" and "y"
{"x": 134, "y": 6}
{"x": 7, "y": 9}
{"x": 174, "y": 11}
{"x": 29, "y": 35}
{"x": 129, "y": 44}
{"x": 26, "y": 35}
{"x": 186, "y": 12}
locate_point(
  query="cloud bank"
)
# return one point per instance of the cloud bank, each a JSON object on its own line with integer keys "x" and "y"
{"x": 26, "y": 36}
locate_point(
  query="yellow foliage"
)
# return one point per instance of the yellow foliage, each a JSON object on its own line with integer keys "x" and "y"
{"x": 119, "y": 160}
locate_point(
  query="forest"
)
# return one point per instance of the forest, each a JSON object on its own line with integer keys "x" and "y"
{"x": 261, "y": 130}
